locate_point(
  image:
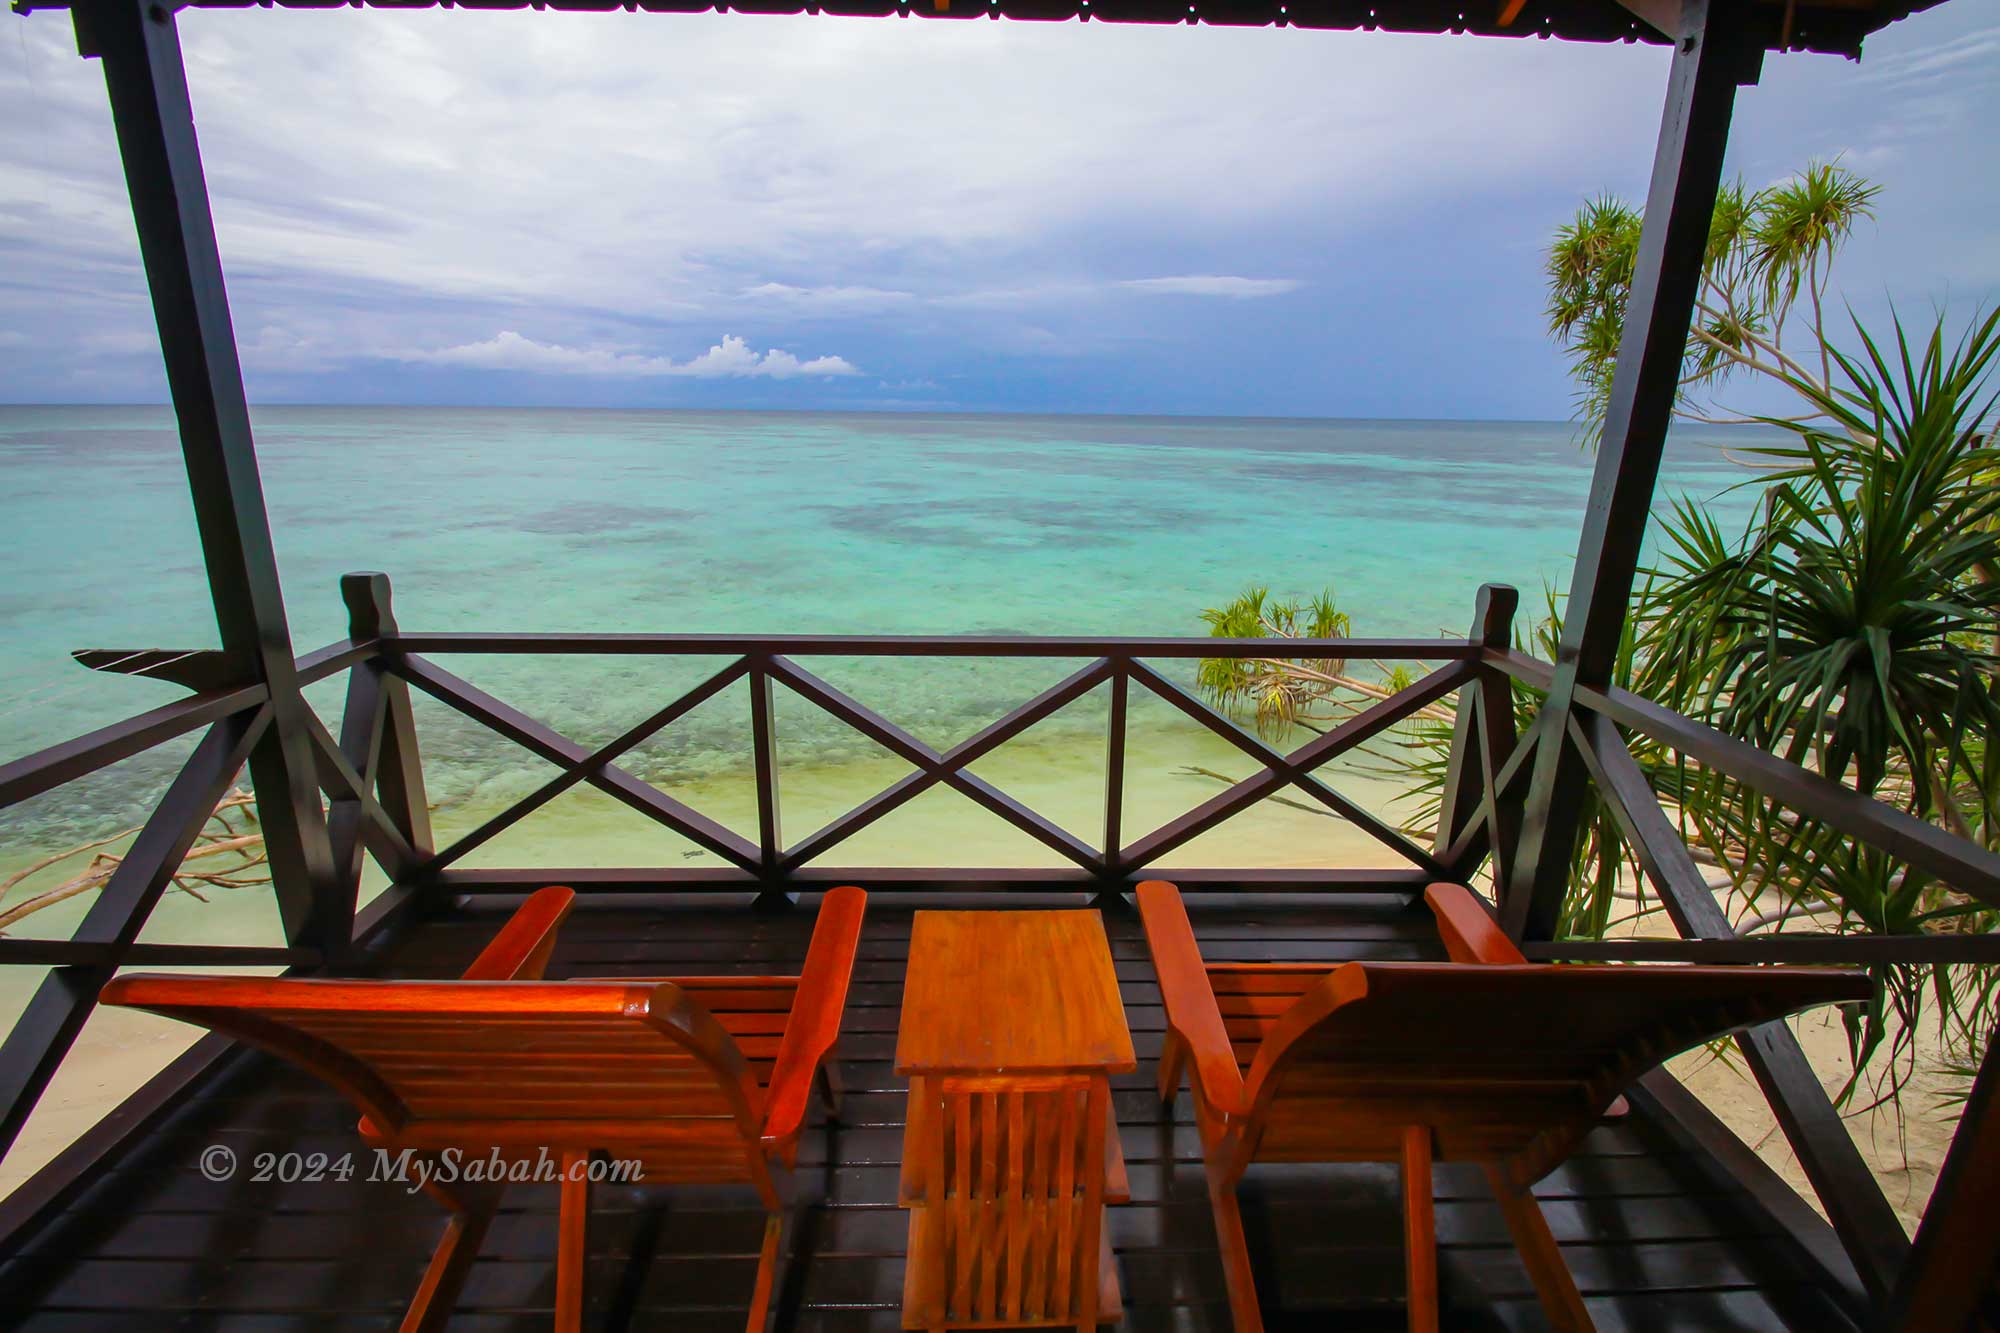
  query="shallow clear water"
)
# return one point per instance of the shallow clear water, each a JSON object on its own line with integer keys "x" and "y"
{"x": 754, "y": 522}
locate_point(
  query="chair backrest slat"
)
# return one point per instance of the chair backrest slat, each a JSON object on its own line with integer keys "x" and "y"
{"x": 1507, "y": 1062}
{"x": 417, "y": 1052}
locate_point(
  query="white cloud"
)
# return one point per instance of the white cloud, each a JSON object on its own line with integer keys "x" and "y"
{"x": 667, "y": 163}
{"x": 287, "y": 350}
{"x": 623, "y": 183}
{"x": 830, "y": 300}
{"x": 1937, "y": 61}
{"x": 133, "y": 341}
{"x": 732, "y": 358}
{"x": 1239, "y": 289}
{"x": 1020, "y": 298}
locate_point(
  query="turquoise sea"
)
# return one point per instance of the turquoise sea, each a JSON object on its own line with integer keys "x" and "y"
{"x": 761, "y": 522}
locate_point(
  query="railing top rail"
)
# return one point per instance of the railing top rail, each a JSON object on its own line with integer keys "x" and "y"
{"x": 66, "y": 761}
{"x": 1964, "y": 865}
{"x": 1802, "y": 947}
{"x": 80, "y": 756}
{"x": 931, "y": 645}
{"x": 335, "y": 658}
{"x": 1531, "y": 671}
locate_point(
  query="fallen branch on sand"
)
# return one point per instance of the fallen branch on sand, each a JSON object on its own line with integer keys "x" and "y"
{"x": 219, "y": 837}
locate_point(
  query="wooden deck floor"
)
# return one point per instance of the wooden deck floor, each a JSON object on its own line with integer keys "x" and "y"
{"x": 153, "y": 1245}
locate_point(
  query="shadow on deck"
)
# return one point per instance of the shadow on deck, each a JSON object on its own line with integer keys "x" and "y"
{"x": 1653, "y": 1242}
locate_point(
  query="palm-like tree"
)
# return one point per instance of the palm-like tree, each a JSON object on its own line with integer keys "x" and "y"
{"x": 1763, "y": 289}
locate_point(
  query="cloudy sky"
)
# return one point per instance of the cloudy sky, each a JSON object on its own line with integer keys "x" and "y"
{"x": 710, "y": 211}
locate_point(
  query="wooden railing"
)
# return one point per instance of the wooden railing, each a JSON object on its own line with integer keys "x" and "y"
{"x": 1873, "y": 1265}
{"x": 372, "y": 777}
{"x": 771, "y": 864}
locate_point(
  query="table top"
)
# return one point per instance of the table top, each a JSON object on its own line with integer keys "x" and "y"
{"x": 1001, "y": 992}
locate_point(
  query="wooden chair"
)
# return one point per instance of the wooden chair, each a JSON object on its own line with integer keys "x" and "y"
{"x": 1487, "y": 1059}
{"x": 698, "y": 1079}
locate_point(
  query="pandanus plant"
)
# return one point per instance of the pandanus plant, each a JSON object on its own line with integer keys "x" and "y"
{"x": 1851, "y": 628}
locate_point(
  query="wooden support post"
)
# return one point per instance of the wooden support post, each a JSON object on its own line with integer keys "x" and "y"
{"x": 1111, "y": 897}
{"x": 1713, "y": 58}
{"x": 1496, "y": 745}
{"x": 1950, "y": 1272}
{"x": 378, "y": 736}
{"x": 143, "y": 73}
{"x": 1469, "y": 777}
{"x": 399, "y": 774}
{"x": 361, "y": 720}
{"x": 764, "y": 761}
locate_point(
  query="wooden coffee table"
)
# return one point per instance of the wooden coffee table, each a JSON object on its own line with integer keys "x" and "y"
{"x": 1012, "y": 1027}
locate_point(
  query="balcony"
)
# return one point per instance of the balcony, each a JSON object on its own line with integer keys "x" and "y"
{"x": 1656, "y": 1233}
{"x": 1666, "y": 1219}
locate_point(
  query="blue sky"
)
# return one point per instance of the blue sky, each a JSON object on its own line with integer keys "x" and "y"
{"x": 709, "y": 211}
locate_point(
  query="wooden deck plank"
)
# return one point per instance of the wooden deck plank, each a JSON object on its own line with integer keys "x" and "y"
{"x": 152, "y": 1244}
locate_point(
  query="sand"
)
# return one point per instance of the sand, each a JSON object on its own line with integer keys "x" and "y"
{"x": 1905, "y": 1152}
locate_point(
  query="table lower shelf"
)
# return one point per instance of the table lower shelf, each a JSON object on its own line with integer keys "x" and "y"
{"x": 927, "y": 1255}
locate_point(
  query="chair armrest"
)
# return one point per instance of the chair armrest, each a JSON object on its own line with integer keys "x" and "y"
{"x": 1469, "y": 934}
{"x": 1190, "y": 1000}
{"x": 814, "y": 1023}
{"x": 520, "y": 952}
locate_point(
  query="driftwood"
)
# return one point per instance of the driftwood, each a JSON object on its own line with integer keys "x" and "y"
{"x": 220, "y": 836}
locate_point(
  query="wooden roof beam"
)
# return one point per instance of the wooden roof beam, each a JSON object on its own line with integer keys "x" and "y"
{"x": 1666, "y": 17}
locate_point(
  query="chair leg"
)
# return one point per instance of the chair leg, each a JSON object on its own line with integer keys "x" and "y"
{"x": 1419, "y": 1231}
{"x": 1172, "y": 1055}
{"x": 829, "y": 1081}
{"x": 572, "y": 1241}
{"x": 772, "y": 1260}
{"x": 471, "y": 1213}
{"x": 1553, "y": 1284}
{"x": 1235, "y": 1247}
